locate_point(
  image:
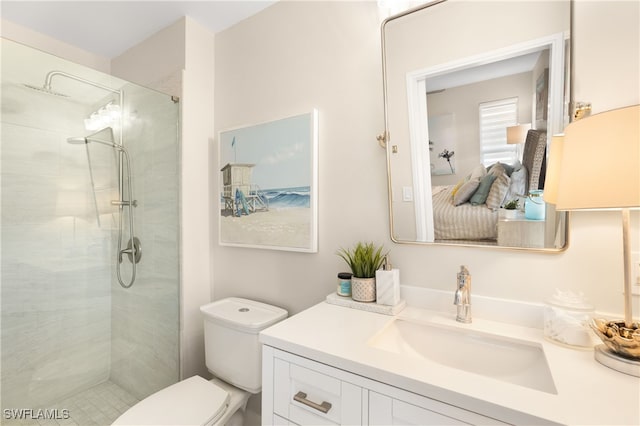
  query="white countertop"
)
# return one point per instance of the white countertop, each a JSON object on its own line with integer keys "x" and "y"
{"x": 587, "y": 392}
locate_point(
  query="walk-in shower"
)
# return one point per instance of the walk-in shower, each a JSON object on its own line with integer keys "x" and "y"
{"x": 73, "y": 339}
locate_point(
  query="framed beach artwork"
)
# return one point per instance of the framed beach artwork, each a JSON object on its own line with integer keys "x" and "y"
{"x": 268, "y": 185}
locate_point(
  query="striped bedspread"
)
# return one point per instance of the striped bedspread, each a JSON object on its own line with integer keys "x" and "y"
{"x": 463, "y": 222}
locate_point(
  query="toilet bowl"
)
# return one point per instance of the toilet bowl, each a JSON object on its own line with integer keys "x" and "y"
{"x": 233, "y": 355}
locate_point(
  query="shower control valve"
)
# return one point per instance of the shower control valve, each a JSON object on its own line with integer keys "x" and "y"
{"x": 133, "y": 203}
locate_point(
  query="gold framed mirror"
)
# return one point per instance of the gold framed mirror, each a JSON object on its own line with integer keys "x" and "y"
{"x": 473, "y": 92}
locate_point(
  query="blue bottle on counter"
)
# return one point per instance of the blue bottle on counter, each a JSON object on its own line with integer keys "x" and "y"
{"x": 534, "y": 206}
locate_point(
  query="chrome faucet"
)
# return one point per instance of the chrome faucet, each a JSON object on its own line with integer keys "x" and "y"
{"x": 462, "y": 299}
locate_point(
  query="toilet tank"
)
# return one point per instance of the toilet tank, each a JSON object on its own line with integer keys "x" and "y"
{"x": 232, "y": 350}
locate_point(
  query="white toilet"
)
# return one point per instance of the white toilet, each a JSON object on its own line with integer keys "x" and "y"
{"x": 233, "y": 354}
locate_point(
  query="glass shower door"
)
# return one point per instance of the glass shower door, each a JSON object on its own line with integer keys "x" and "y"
{"x": 73, "y": 341}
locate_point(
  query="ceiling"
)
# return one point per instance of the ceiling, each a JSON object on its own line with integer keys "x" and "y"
{"x": 109, "y": 28}
{"x": 482, "y": 72}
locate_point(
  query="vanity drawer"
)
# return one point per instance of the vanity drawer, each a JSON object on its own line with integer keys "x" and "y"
{"x": 304, "y": 395}
{"x": 406, "y": 408}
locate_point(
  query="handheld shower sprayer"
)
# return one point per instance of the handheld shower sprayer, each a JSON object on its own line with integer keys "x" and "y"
{"x": 133, "y": 249}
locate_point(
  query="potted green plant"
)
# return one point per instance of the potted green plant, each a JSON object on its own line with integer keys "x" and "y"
{"x": 511, "y": 208}
{"x": 364, "y": 259}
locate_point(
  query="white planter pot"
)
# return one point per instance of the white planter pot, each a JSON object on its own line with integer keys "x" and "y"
{"x": 363, "y": 289}
{"x": 510, "y": 214}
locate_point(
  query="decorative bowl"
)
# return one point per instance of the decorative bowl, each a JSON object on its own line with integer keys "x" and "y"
{"x": 619, "y": 338}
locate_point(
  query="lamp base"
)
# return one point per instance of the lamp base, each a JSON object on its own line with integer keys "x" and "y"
{"x": 606, "y": 357}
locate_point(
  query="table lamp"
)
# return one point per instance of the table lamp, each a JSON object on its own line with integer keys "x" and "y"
{"x": 596, "y": 166}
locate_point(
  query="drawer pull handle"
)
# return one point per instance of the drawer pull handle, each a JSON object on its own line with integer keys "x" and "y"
{"x": 301, "y": 397}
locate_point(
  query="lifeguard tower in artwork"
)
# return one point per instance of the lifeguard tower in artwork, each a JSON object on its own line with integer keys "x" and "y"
{"x": 240, "y": 196}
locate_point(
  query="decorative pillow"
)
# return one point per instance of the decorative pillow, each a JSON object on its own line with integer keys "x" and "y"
{"x": 481, "y": 194}
{"x": 465, "y": 192}
{"x": 458, "y": 186}
{"x": 498, "y": 191}
{"x": 497, "y": 170}
{"x": 478, "y": 172}
{"x": 510, "y": 168}
{"x": 518, "y": 184}
{"x": 503, "y": 167}
{"x": 516, "y": 166}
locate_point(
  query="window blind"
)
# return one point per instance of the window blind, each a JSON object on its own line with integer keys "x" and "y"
{"x": 495, "y": 117}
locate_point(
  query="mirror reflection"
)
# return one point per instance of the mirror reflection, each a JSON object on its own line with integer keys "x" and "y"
{"x": 470, "y": 109}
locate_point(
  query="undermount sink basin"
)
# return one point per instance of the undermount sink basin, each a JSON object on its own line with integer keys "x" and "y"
{"x": 515, "y": 361}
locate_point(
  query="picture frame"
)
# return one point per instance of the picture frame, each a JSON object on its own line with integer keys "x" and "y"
{"x": 268, "y": 191}
{"x": 542, "y": 95}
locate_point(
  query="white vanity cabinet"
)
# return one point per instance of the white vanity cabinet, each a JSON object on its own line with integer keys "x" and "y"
{"x": 299, "y": 391}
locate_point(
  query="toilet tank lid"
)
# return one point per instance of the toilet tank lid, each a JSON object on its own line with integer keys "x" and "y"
{"x": 243, "y": 314}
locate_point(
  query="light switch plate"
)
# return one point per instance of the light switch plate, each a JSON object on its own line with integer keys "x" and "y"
{"x": 407, "y": 193}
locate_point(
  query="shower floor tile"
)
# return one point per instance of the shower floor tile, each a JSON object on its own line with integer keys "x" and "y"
{"x": 99, "y": 405}
{"x": 96, "y": 406}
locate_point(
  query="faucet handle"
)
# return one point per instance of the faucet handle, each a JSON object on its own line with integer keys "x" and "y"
{"x": 457, "y": 298}
{"x": 463, "y": 276}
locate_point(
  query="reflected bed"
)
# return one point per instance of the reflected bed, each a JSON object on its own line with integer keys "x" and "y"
{"x": 470, "y": 222}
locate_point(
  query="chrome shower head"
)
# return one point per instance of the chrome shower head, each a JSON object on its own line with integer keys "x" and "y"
{"x": 47, "y": 90}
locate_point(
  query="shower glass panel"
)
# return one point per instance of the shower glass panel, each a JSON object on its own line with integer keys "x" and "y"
{"x": 76, "y": 346}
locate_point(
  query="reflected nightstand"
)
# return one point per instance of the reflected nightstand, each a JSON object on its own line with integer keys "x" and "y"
{"x": 517, "y": 231}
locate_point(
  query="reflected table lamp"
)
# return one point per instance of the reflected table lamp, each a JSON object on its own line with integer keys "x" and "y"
{"x": 517, "y": 135}
{"x": 595, "y": 165}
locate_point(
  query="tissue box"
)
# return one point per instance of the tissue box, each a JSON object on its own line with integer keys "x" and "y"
{"x": 388, "y": 287}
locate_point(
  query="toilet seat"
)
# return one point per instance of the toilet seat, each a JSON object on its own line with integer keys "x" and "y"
{"x": 193, "y": 401}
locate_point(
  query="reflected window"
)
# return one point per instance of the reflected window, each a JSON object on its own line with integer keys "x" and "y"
{"x": 495, "y": 117}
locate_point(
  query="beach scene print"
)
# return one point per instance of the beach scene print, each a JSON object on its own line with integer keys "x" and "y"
{"x": 267, "y": 175}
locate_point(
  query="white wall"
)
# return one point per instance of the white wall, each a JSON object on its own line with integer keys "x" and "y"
{"x": 197, "y": 134}
{"x": 607, "y": 53}
{"x": 156, "y": 62}
{"x": 288, "y": 59}
{"x": 297, "y": 55}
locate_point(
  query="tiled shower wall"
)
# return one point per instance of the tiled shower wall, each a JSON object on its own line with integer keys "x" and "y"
{"x": 145, "y": 318}
{"x": 56, "y": 260}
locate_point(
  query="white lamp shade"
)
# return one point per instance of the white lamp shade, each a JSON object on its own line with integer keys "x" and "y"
{"x": 554, "y": 165}
{"x": 601, "y": 162}
{"x": 518, "y": 133}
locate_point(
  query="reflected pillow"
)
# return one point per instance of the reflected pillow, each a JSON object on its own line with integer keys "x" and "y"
{"x": 457, "y": 187}
{"x": 518, "y": 184}
{"x": 509, "y": 168}
{"x": 498, "y": 191}
{"x": 465, "y": 192}
{"x": 497, "y": 170}
{"x": 478, "y": 173}
{"x": 481, "y": 194}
